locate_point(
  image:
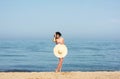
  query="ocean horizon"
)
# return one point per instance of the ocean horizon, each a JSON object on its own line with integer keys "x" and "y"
{"x": 37, "y": 55}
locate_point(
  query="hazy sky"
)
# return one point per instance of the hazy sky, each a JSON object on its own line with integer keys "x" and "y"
{"x": 83, "y": 19}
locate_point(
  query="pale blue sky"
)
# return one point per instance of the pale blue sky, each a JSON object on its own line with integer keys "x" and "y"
{"x": 83, "y": 19}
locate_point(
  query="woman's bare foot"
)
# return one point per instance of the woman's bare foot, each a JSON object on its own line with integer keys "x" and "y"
{"x": 56, "y": 70}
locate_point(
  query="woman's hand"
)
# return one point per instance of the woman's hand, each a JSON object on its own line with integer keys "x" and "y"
{"x": 54, "y": 39}
{"x": 55, "y": 36}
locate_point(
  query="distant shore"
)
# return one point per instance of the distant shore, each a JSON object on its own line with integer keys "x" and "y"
{"x": 60, "y": 75}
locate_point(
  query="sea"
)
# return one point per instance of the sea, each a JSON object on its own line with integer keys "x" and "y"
{"x": 37, "y": 56}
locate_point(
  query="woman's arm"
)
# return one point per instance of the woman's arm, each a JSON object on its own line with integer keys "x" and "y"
{"x": 54, "y": 39}
{"x": 62, "y": 40}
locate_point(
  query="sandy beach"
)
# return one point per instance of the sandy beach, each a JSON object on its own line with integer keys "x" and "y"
{"x": 60, "y": 75}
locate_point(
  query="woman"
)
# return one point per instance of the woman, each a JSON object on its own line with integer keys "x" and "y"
{"x": 58, "y": 39}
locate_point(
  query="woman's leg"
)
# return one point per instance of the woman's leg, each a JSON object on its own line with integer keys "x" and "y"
{"x": 61, "y": 61}
{"x": 59, "y": 67}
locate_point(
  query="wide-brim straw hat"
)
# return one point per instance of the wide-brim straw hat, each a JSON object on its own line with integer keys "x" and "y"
{"x": 60, "y": 51}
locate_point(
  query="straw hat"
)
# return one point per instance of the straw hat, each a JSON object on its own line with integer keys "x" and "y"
{"x": 60, "y": 51}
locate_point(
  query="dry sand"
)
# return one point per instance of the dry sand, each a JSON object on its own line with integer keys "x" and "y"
{"x": 60, "y": 75}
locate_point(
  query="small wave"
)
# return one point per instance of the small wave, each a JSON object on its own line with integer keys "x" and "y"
{"x": 16, "y": 70}
{"x": 12, "y": 55}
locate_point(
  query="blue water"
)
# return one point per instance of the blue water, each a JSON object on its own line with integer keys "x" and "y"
{"x": 37, "y": 55}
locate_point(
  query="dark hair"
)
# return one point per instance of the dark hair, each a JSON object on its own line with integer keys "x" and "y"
{"x": 58, "y": 33}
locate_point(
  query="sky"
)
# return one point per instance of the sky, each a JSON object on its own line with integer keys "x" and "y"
{"x": 78, "y": 19}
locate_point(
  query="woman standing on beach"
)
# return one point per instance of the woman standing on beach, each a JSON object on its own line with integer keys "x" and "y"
{"x": 58, "y": 39}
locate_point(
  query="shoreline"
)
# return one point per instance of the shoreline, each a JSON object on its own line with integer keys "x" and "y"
{"x": 61, "y": 75}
